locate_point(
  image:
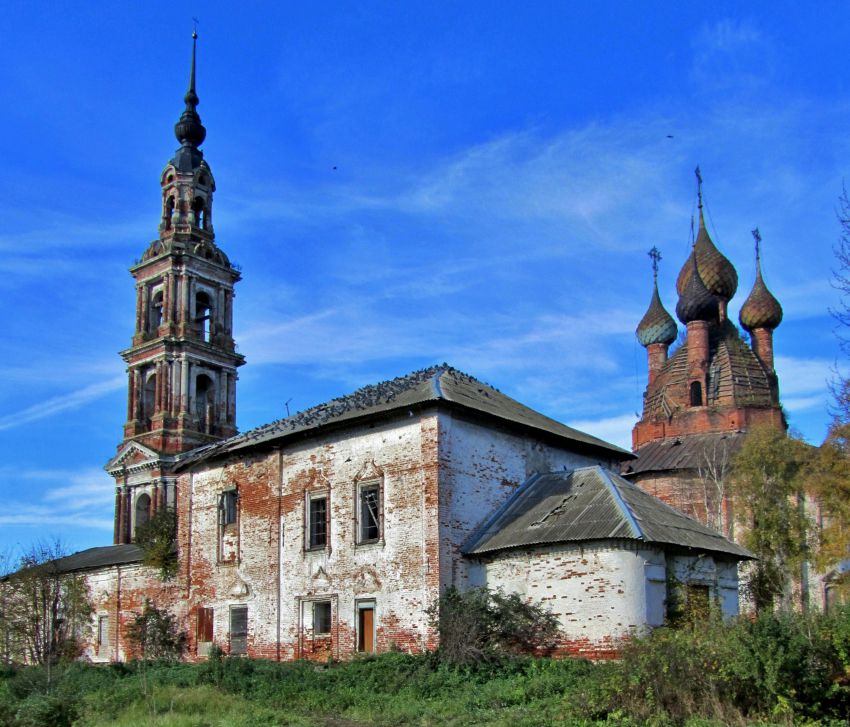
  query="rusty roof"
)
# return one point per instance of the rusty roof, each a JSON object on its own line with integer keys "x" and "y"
{"x": 736, "y": 377}
{"x": 592, "y": 504}
{"x": 436, "y": 385}
{"x": 686, "y": 452}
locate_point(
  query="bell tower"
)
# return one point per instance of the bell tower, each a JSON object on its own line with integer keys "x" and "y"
{"x": 182, "y": 361}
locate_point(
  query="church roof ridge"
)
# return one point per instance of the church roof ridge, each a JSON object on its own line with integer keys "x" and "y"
{"x": 438, "y": 383}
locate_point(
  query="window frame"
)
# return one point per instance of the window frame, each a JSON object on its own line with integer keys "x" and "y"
{"x": 231, "y": 635}
{"x": 228, "y": 507}
{"x": 102, "y": 642}
{"x": 309, "y": 531}
{"x": 360, "y": 491}
{"x": 322, "y": 604}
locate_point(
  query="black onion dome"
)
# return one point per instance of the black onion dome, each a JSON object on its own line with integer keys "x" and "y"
{"x": 717, "y": 273}
{"x": 760, "y": 309}
{"x": 657, "y": 325}
{"x": 189, "y": 130}
{"x": 696, "y": 302}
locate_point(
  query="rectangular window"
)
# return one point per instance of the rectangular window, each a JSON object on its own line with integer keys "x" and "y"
{"x": 227, "y": 507}
{"x": 238, "y": 630}
{"x": 321, "y": 618}
{"x": 317, "y": 525}
{"x": 369, "y": 515}
{"x": 102, "y": 632}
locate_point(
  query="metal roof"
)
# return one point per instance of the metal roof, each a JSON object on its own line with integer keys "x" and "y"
{"x": 101, "y": 557}
{"x": 587, "y": 504}
{"x": 686, "y": 452}
{"x": 439, "y": 385}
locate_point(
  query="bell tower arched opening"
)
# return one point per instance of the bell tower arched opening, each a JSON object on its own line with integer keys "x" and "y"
{"x": 205, "y": 403}
{"x": 203, "y": 315}
{"x": 143, "y": 511}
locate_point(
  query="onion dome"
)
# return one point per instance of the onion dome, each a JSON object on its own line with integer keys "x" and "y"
{"x": 189, "y": 130}
{"x": 696, "y": 302}
{"x": 760, "y": 309}
{"x": 717, "y": 273}
{"x": 657, "y": 325}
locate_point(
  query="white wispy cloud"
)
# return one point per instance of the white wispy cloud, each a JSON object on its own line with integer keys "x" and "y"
{"x": 616, "y": 429}
{"x": 78, "y": 498}
{"x": 62, "y": 403}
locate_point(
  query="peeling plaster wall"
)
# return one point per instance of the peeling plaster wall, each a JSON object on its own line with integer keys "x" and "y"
{"x": 601, "y": 593}
{"x": 480, "y": 468}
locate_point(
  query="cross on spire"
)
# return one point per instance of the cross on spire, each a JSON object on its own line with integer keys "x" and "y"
{"x": 655, "y": 256}
{"x": 699, "y": 186}
{"x": 757, "y": 238}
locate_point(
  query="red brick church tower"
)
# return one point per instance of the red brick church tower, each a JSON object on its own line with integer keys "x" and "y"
{"x": 700, "y": 400}
{"x": 182, "y": 361}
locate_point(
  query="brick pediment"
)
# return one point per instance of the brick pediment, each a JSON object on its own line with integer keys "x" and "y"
{"x": 133, "y": 456}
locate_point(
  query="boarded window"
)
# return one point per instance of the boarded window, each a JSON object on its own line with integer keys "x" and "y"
{"x": 205, "y": 625}
{"x": 318, "y": 522}
{"x": 227, "y": 505}
{"x": 321, "y": 618}
{"x": 369, "y": 514}
{"x": 102, "y": 632}
{"x": 238, "y": 630}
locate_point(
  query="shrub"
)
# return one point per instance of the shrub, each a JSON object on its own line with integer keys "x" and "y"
{"x": 155, "y": 634}
{"x": 156, "y": 538}
{"x": 480, "y": 626}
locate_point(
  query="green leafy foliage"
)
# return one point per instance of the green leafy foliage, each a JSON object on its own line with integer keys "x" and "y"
{"x": 768, "y": 488}
{"x": 479, "y": 626}
{"x": 155, "y": 634}
{"x": 157, "y": 538}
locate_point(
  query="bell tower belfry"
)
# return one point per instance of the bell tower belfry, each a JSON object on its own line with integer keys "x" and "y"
{"x": 182, "y": 361}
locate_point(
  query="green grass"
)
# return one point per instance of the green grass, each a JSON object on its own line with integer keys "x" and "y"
{"x": 785, "y": 669}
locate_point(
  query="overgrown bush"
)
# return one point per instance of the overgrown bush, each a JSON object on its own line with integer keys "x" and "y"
{"x": 157, "y": 539}
{"x": 480, "y": 626}
{"x": 783, "y": 666}
{"x": 155, "y": 634}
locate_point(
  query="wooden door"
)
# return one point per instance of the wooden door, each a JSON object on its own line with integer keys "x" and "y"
{"x": 366, "y": 630}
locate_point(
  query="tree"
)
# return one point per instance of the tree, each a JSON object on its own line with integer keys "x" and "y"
{"x": 46, "y": 612}
{"x": 157, "y": 539}
{"x": 767, "y": 478}
{"x": 829, "y": 479}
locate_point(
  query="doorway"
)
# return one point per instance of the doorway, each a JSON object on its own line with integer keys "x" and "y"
{"x": 366, "y": 627}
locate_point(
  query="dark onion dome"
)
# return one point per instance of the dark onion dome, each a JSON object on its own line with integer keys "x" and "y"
{"x": 696, "y": 302}
{"x": 715, "y": 270}
{"x": 760, "y": 309}
{"x": 657, "y": 325}
{"x": 189, "y": 130}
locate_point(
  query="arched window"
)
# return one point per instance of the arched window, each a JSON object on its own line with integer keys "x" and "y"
{"x": 203, "y": 315}
{"x": 143, "y": 510}
{"x": 155, "y": 316}
{"x": 169, "y": 211}
{"x": 696, "y": 393}
{"x": 199, "y": 212}
{"x": 204, "y": 402}
{"x": 149, "y": 398}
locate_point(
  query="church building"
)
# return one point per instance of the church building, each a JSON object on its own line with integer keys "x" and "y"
{"x": 335, "y": 530}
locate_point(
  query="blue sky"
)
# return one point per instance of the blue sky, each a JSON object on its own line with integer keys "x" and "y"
{"x": 404, "y": 184}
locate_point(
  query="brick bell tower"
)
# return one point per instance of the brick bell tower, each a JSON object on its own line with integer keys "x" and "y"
{"x": 182, "y": 361}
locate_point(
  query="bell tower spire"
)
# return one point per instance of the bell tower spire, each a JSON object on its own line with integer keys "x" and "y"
{"x": 182, "y": 360}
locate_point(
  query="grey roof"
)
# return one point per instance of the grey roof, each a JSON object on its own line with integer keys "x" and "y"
{"x": 101, "y": 557}
{"x": 438, "y": 384}
{"x": 587, "y": 504}
{"x": 686, "y": 452}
